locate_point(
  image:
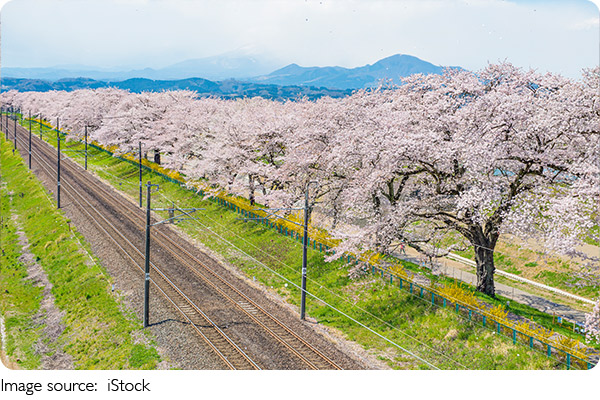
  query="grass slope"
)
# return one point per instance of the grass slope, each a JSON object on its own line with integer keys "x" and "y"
{"x": 19, "y": 298}
{"x": 99, "y": 332}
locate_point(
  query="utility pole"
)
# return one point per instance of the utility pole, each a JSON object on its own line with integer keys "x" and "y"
{"x": 86, "y": 150}
{"x": 29, "y": 139}
{"x": 4, "y": 128}
{"x": 147, "y": 261}
{"x": 58, "y": 164}
{"x": 305, "y": 250}
{"x": 140, "y": 165}
{"x": 307, "y": 210}
{"x": 172, "y": 217}
{"x": 40, "y": 125}
{"x": 15, "y": 130}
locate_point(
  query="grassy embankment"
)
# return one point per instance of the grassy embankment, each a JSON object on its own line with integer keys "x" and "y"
{"x": 410, "y": 321}
{"x": 534, "y": 265}
{"x": 99, "y": 333}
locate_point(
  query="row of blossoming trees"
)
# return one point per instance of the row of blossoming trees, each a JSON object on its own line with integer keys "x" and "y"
{"x": 458, "y": 158}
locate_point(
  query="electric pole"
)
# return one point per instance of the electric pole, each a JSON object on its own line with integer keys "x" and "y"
{"x": 86, "y": 149}
{"x": 29, "y": 139}
{"x": 172, "y": 217}
{"x": 147, "y": 261}
{"x": 140, "y": 167}
{"x": 15, "y": 130}
{"x": 305, "y": 250}
{"x": 58, "y": 164}
{"x": 307, "y": 210}
{"x": 4, "y": 127}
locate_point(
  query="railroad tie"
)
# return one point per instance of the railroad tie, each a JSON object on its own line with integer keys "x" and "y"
{"x": 248, "y": 307}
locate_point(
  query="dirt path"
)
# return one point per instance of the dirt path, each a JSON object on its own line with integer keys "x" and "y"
{"x": 48, "y": 345}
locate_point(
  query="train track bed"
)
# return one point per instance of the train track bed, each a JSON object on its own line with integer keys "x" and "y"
{"x": 235, "y": 308}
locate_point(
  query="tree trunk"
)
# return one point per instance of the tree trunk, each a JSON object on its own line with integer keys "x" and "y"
{"x": 484, "y": 257}
{"x": 157, "y": 157}
{"x": 251, "y": 188}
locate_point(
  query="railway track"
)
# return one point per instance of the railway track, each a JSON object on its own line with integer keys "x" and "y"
{"x": 298, "y": 347}
{"x": 231, "y": 354}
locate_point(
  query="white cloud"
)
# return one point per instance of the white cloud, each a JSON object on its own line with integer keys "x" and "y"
{"x": 590, "y": 23}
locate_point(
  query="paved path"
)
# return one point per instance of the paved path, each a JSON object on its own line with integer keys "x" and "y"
{"x": 453, "y": 269}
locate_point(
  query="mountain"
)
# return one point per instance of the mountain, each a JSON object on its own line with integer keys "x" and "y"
{"x": 225, "y": 89}
{"x": 393, "y": 67}
{"x": 245, "y": 64}
{"x": 233, "y": 65}
{"x": 238, "y": 64}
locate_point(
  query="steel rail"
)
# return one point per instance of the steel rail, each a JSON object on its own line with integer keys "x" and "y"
{"x": 277, "y": 328}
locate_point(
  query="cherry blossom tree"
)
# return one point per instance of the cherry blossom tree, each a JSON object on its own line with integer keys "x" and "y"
{"x": 172, "y": 125}
{"x": 89, "y": 108}
{"x": 244, "y": 145}
{"x": 130, "y": 120}
{"x": 475, "y": 155}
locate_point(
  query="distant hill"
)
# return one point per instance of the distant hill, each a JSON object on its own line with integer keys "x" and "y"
{"x": 230, "y": 75}
{"x": 238, "y": 64}
{"x": 390, "y": 68}
{"x": 204, "y": 88}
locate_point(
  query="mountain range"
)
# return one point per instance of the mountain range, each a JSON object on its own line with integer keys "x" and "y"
{"x": 390, "y": 68}
{"x": 237, "y": 64}
{"x": 230, "y": 75}
{"x": 224, "y": 89}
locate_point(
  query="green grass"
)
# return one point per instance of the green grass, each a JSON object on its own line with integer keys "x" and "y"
{"x": 546, "y": 320}
{"x": 19, "y": 298}
{"x": 98, "y": 332}
{"x": 520, "y": 265}
{"x": 531, "y": 264}
{"x": 565, "y": 279}
{"x": 416, "y": 325}
{"x": 588, "y": 240}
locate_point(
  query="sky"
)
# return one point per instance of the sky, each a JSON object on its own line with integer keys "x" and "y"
{"x": 552, "y": 35}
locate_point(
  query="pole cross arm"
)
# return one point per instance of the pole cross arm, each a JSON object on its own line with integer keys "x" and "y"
{"x": 176, "y": 218}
